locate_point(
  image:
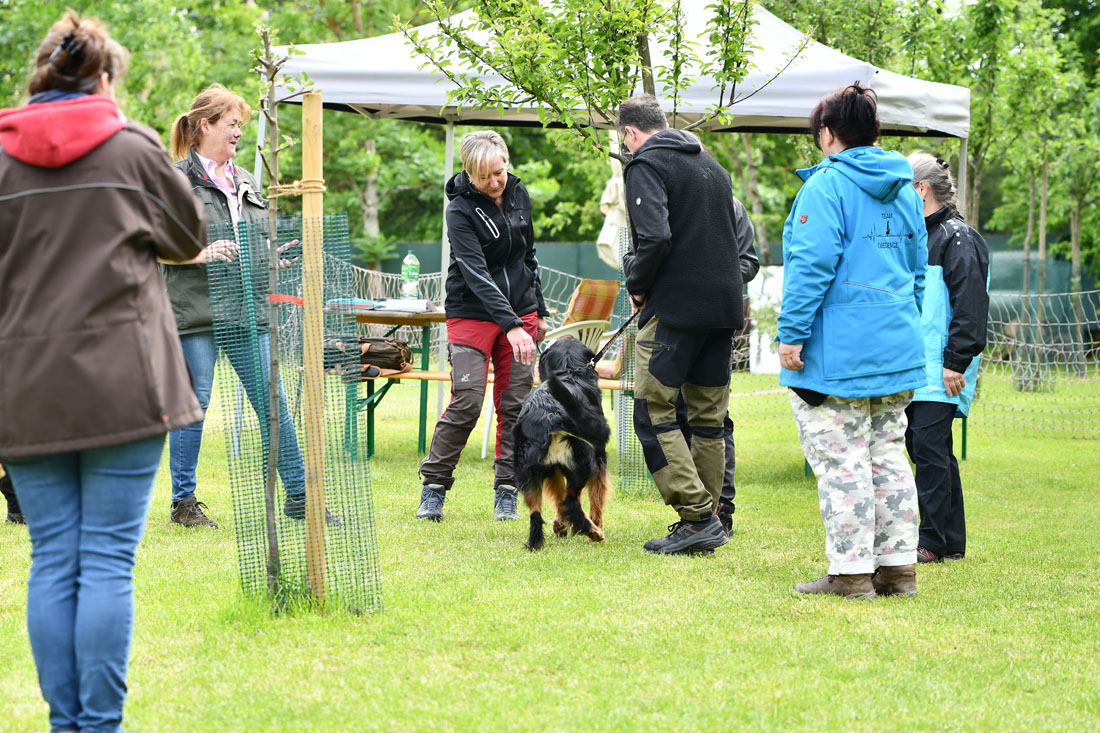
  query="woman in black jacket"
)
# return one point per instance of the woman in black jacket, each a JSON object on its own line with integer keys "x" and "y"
{"x": 494, "y": 310}
{"x": 953, "y": 319}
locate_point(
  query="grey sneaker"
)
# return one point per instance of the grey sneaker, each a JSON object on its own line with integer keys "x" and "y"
{"x": 685, "y": 537}
{"x": 504, "y": 504}
{"x": 432, "y": 497}
{"x": 189, "y": 513}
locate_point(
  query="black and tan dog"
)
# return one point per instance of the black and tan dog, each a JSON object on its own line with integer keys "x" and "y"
{"x": 561, "y": 444}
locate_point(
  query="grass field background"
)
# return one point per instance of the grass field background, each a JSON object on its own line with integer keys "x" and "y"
{"x": 479, "y": 634}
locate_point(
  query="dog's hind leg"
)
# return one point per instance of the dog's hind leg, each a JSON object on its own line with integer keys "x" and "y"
{"x": 574, "y": 513}
{"x": 554, "y": 490}
{"x": 599, "y": 490}
{"x": 532, "y": 497}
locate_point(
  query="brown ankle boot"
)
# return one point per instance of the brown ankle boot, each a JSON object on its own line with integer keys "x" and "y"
{"x": 900, "y": 580}
{"x": 852, "y": 587}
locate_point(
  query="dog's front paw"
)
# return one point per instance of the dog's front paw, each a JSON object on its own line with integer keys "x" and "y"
{"x": 560, "y": 528}
{"x": 595, "y": 533}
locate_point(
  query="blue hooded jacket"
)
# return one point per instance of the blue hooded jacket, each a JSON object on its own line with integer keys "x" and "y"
{"x": 854, "y": 256}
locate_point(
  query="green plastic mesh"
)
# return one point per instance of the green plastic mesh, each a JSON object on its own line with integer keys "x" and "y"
{"x": 259, "y": 318}
{"x": 1040, "y": 374}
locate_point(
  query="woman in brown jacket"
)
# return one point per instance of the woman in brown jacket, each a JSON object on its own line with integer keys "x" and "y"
{"x": 91, "y": 372}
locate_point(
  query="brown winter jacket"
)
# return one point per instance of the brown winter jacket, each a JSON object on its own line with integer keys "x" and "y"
{"x": 89, "y": 354}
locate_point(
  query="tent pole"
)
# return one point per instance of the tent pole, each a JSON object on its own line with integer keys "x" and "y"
{"x": 261, "y": 138}
{"x": 445, "y": 253}
{"x": 962, "y": 184}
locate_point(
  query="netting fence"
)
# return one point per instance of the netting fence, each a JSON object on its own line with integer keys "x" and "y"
{"x": 1040, "y": 374}
{"x": 284, "y": 427}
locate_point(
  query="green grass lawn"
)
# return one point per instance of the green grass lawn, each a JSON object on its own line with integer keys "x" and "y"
{"x": 479, "y": 634}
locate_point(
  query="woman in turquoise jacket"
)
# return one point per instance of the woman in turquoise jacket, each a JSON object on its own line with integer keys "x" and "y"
{"x": 854, "y": 255}
{"x": 956, "y": 308}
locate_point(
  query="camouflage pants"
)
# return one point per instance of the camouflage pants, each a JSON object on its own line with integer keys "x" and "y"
{"x": 865, "y": 487}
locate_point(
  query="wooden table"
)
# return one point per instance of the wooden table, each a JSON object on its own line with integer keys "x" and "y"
{"x": 353, "y": 403}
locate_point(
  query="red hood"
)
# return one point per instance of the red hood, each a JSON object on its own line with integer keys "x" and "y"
{"x": 53, "y": 134}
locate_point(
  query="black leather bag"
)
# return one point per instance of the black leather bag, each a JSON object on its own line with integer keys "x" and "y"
{"x": 378, "y": 352}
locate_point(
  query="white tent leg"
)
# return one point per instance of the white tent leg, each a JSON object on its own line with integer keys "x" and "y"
{"x": 962, "y": 184}
{"x": 445, "y": 254}
{"x": 261, "y": 140}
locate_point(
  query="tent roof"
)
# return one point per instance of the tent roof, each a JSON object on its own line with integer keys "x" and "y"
{"x": 381, "y": 78}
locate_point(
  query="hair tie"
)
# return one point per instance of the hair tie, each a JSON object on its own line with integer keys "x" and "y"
{"x": 942, "y": 163}
{"x": 70, "y": 44}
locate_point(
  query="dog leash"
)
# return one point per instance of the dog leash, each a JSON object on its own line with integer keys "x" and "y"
{"x": 613, "y": 339}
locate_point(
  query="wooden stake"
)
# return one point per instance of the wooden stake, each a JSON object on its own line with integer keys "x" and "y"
{"x": 313, "y": 395}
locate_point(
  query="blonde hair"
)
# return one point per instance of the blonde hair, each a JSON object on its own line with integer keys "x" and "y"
{"x": 934, "y": 172}
{"x": 74, "y": 54}
{"x": 478, "y": 149}
{"x": 210, "y": 104}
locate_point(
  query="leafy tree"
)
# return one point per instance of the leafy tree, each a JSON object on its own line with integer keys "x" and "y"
{"x": 575, "y": 61}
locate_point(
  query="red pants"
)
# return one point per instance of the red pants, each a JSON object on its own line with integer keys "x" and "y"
{"x": 471, "y": 344}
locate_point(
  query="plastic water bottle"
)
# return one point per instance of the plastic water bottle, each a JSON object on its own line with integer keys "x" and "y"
{"x": 410, "y": 276}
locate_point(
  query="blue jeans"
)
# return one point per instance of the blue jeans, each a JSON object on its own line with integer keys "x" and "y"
{"x": 201, "y": 352}
{"x": 86, "y": 514}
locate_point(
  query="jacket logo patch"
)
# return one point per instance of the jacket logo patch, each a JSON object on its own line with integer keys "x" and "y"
{"x": 802, "y": 219}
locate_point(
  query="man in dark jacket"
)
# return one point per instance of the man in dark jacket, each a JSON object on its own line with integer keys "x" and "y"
{"x": 683, "y": 273}
{"x": 750, "y": 265}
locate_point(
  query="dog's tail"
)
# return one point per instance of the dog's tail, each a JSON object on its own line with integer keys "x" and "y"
{"x": 584, "y": 403}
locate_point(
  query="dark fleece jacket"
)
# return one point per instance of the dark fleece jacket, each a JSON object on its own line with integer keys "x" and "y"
{"x": 493, "y": 273}
{"x": 686, "y": 229}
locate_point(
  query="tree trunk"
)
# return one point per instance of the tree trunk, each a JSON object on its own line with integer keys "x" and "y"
{"x": 1075, "y": 289}
{"x": 1025, "y": 352}
{"x": 1040, "y": 311}
{"x": 1028, "y": 233}
{"x": 752, "y": 187}
{"x": 973, "y": 201}
{"x": 370, "y": 200}
{"x": 646, "y": 65}
{"x": 357, "y": 17}
{"x": 1043, "y": 195}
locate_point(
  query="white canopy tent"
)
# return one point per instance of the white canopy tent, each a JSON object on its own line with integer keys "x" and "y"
{"x": 382, "y": 78}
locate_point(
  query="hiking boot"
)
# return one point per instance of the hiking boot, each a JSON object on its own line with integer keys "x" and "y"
{"x": 295, "y": 508}
{"x": 926, "y": 555}
{"x": 432, "y": 497}
{"x": 900, "y": 580}
{"x": 725, "y": 516}
{"x": 504, "y": 504}
{"x": 189, "y": 513}
{"x": 853, "y": 587}
{"x": 686, "y": 536}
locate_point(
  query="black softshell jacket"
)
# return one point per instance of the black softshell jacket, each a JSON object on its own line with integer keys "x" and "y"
{"x": 964, "y": 256}
{"x": 493, "y": 273}
{"x": 687, "y": 235}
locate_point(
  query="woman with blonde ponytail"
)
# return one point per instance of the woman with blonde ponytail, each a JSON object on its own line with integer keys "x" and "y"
{"x": 204, "y": 142}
